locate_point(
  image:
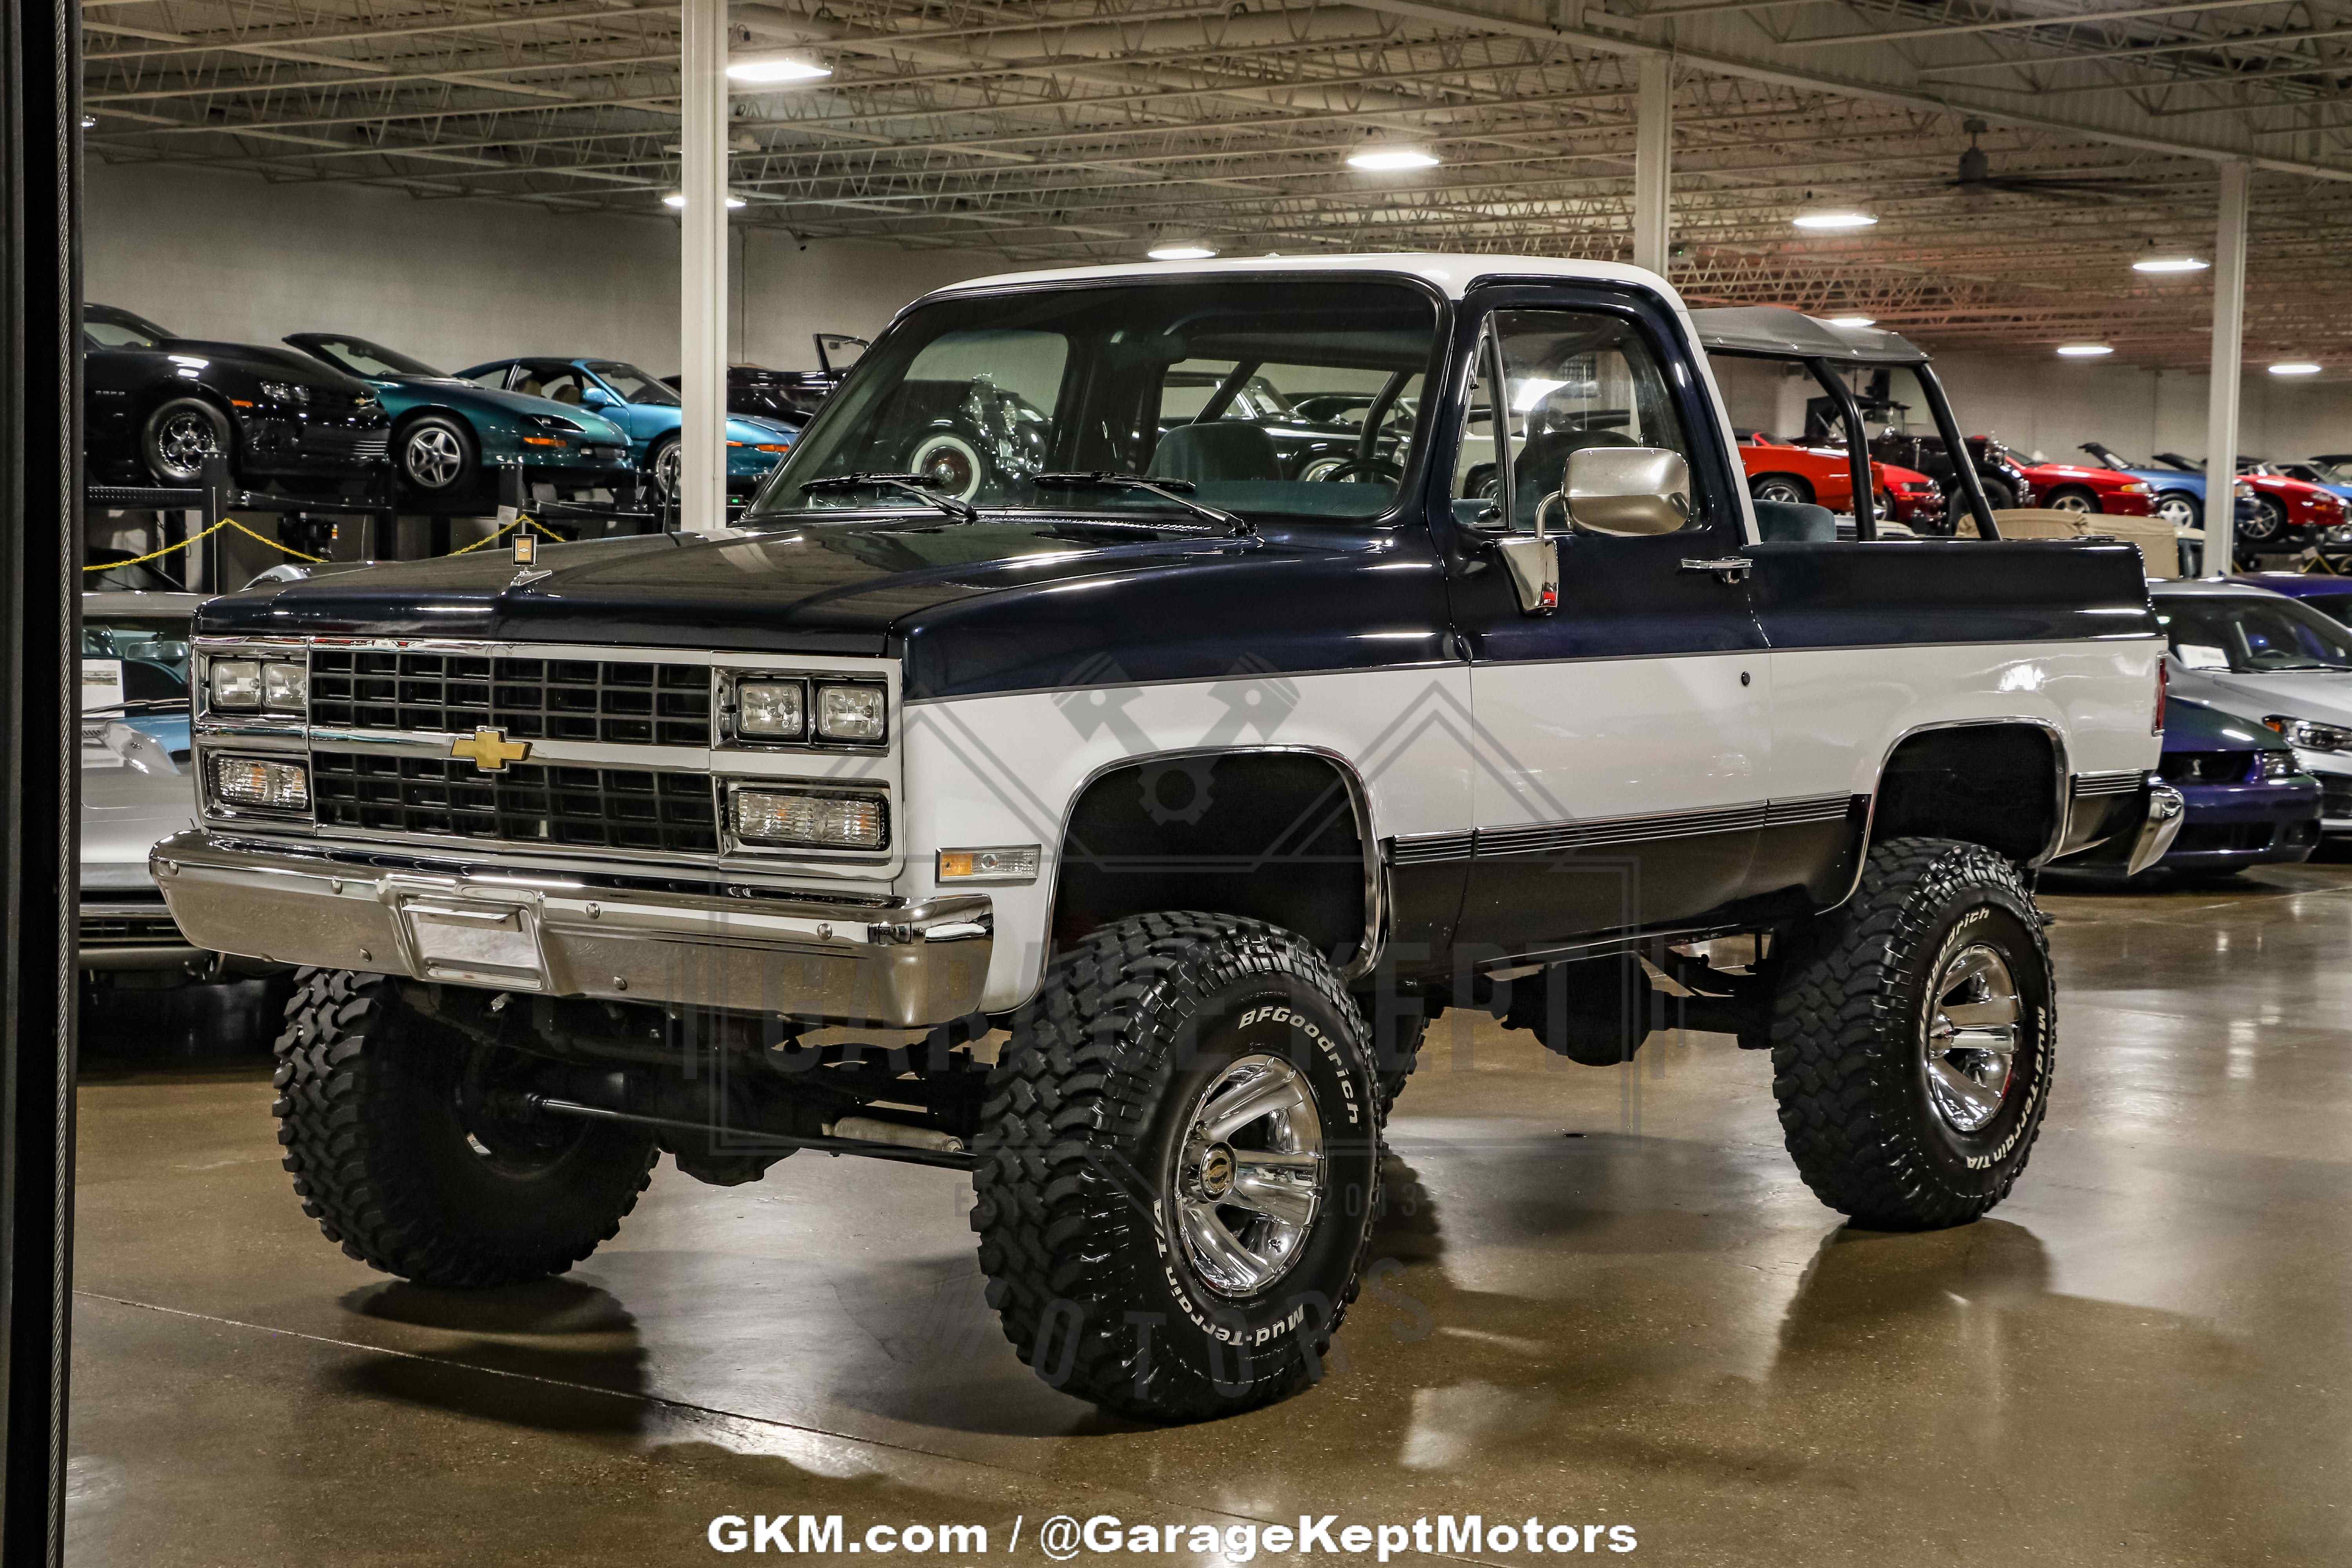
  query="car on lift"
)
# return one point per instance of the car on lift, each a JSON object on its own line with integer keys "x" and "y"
{"x": 2273, "y": 660}
{"x": 156, "y": 407}
{"x": 2288, "y": 515}
{"x": 788, "y": 397}
{"x": 2080, "y": 488}
{"x": 2249, "y": 800}
{"x": 450, "y": 436}
{"x": 646, "y": 409}
{"x": 2332, "y": 473}
{"x": 1787, "y": 473}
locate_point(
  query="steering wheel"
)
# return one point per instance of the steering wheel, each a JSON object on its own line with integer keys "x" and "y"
{"x": 1378, "y": 467}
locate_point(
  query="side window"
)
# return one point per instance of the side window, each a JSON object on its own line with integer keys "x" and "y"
{"x": 494, "y": 378}
{"x": 1574, "y": 380}
{"x": 562, "y": 383}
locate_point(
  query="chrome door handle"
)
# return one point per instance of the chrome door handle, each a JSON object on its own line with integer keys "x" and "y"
{"x": 1729, "y": 568}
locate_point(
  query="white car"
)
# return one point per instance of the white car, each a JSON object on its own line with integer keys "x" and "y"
{"x": 2274, "y": 660}
{"x": 136, "y": 786}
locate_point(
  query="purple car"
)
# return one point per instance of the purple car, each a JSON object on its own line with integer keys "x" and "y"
{"x": 2250, "y": 802}
{"x": 2326, "y": 592}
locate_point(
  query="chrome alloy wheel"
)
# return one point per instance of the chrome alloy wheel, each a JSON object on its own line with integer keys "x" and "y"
{"x": 2071, "y": 501}
{"x": 1970, "y": 1043}
{"x": 2176, "y": 509}
{"x": 433, "y": 458}
{"x": 184, "y": 441}
{"x": 1249, "y": 1175}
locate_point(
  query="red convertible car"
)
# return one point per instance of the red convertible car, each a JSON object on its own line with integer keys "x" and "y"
{"x": 2069, "y": 487}
{"x": 1778, "y": 471}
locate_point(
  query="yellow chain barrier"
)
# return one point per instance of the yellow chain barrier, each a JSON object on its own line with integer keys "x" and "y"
{"x": 288, "y": 550}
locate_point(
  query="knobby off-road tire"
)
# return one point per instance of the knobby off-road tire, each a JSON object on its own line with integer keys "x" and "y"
{"x": 396, "y": 1149}
{"x": 1089, "y": 1179}
{"x": 1865, "y": 1009}
{"x": 1396, "y": 1052}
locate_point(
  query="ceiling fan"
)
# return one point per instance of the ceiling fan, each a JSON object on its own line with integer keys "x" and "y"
{"x": 1976, "y": 176}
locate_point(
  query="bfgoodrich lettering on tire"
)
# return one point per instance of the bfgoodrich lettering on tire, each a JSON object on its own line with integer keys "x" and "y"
{"x": 1181, "y": 1167}
{"x": 1914, "y": 1035}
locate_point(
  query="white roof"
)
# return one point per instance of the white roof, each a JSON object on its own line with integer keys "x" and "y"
{"x": 1452, "y": 274}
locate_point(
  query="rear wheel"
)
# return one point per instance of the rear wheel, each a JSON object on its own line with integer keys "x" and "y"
{"x": 405, "y": 1147}
{"x": 1914, "y": 1033}
{"x": 1181, "y": 1167}
{"x": 1783, "y": 490}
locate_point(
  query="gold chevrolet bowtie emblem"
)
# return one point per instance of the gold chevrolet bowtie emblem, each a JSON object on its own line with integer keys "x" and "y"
{"x": 490, "y": 749}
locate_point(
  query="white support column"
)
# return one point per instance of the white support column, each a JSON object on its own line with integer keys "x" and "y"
{"x": 1653, "y": 152}
{"x": 2228, "y": 338}
{"x": 702, "y": 270}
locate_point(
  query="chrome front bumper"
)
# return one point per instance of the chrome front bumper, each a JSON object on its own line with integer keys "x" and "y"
{"x": 895, "y": 965}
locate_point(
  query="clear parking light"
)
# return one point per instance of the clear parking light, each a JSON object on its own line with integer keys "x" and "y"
{"x": 812, "y": 821}
{"x": 771, "y": 710}
{"x": 1006, "y": 863}
{"x": 284, "y": 688}
{"x": 2306, "y": 736}
{"x": 849, "y": 713}
{"x": 287, "y": 392}
{"x": 262, "y": 783}
{"x": 235, "y": 683}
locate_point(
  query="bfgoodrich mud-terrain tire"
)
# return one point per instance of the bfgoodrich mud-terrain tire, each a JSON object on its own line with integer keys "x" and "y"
{"x": 1180, "y": 1167}
{"x": 1914, "y": 1035}
{"x": 398, "y": 1150}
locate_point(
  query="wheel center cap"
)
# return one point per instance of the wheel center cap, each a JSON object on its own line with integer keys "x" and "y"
{"x": 1217, "y": 1170}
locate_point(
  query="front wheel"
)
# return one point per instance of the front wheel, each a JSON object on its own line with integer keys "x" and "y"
{"x": 1180, "y": 1167}
{"x": 664, "y": 466}
{"x": 2179, "y": 509}
{"x": 2267, "y": 523}
{"x": 1781, "y": 490}
{"x": 2073, "y": 498}
{"x": 1913, "y": 1039}
{"x": 179, "y": 437}
{"x": 1996, "y": 493}
{"x": 404, "y": 1144}
{"x": 436, "y": 455}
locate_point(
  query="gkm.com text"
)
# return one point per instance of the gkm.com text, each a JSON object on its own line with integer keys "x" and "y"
{"x": 1063, "y": 1537}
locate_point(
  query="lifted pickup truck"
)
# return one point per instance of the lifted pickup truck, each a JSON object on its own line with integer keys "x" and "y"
{"x": 1106, "y": 814}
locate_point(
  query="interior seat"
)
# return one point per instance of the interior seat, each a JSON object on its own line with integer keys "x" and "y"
{"x": 568, "y": 393}
{"x": 1542, "y": 465}
{"x": 532, "y": 387}
{"x": 1223, "y": 449}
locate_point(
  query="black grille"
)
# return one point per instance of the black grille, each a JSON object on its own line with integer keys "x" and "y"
{"x": 597, "y": 808}
{"x": 530, "y": 699}
{"x": 119, "y": 922}
{"x": 2335, "y": 791}
{"x": 2206, "y": 767}
{"x": 2209, "y": 838}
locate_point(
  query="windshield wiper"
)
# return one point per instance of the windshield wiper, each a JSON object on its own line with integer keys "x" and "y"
{"x": 1174, "y": 490}
{"x": 962, "y": 511}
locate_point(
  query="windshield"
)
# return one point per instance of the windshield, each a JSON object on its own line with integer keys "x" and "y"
{"x": 631, "y": 384}
{"x": 362, "y": 357}
{"x": 2254, "y": 636}
{"x": 1194, "y": 382}
{"x": 2332, "y": 470}
{"x": 132, "y": 659}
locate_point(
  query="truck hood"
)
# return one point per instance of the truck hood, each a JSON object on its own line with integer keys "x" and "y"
{"x": 842, "y": 587}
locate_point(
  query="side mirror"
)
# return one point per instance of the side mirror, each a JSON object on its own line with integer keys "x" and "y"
{"x": 595, "y": 398}
{"x": 1628, "y": 492}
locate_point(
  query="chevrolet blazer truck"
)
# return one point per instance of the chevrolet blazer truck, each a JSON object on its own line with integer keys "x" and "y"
{"x": 1109, "y": 825}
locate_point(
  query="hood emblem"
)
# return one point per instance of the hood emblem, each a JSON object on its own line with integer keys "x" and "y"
{"x": 491, "y": 750}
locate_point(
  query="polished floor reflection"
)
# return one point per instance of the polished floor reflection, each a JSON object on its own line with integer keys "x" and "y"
{"x": 1602, "y": 1298}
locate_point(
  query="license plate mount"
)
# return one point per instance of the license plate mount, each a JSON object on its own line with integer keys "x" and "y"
{"x": 464, "y": 939}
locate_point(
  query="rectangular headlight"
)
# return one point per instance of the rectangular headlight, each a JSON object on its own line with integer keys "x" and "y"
{"x": 284, "y": 688}
{"x": 812, "y": 821}
{"x": 262, "y": 782}
{"x": 2279, "y": 766}
{"x": 236, "y": 683}
{"x": 771, "y": 710}
{"x": 849, "y": 714}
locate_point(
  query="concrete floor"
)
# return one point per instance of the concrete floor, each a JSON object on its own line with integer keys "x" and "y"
{"x": 1611, "y": 1302}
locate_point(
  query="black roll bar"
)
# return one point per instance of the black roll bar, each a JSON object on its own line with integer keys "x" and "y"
{"x": 1857, "y": 445}
{"x": 1964, "y": 462}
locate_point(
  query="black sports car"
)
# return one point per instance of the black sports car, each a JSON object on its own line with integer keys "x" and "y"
{"x": 155, "y": 405}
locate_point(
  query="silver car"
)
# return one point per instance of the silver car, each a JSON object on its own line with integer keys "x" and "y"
{"x": 2274, "y": 660}
{"x": 135, "y": 787}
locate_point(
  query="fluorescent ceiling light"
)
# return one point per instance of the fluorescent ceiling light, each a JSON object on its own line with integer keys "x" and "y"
{"x": 2171, "y": 264}
{"x": 2296, "y": 367}
{"x": 1181, "y": 253}
{"x": 1843, "y": 218}
{"x": 2083, "y": 350}
{"x": 678, "y": 199}
{"x": 1853, "y": 320}
{"x": 1384, "y": 160}
{"x": 770, "y": 69}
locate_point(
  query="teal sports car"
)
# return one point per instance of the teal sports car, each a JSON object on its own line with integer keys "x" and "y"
{"x": 649, "y": 410}
{"x": 450, "y": 436}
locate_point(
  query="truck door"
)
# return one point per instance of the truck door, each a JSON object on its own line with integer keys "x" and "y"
{"x": 1621, "y": 739}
